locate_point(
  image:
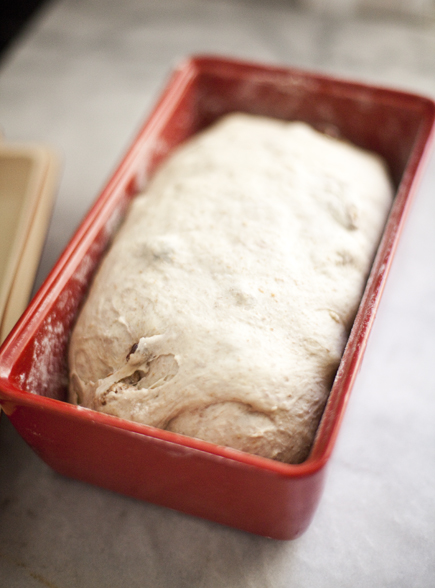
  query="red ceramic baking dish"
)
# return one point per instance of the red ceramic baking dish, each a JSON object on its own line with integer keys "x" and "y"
{"x": 220, "y": 484}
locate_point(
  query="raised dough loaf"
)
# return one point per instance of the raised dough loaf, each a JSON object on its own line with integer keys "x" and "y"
{"x": 223, "y": 307}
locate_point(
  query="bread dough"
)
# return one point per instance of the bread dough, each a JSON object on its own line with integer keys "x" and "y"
{"x": 222, "y": 309}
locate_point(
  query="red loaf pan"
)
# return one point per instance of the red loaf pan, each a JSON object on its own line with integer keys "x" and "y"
{"x": 221, "y": 484}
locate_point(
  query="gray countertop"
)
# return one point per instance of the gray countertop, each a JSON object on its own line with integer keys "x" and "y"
{"x": 83, "y": 79}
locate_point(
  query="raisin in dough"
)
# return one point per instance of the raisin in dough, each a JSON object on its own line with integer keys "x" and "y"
{"x": 223, "y": 307}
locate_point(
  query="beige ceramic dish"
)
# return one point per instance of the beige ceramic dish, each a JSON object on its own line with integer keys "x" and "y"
{"x": 28, "y": 175}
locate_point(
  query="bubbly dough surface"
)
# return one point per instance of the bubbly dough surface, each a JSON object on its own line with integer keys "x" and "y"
{"x": 222, "y": 309}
